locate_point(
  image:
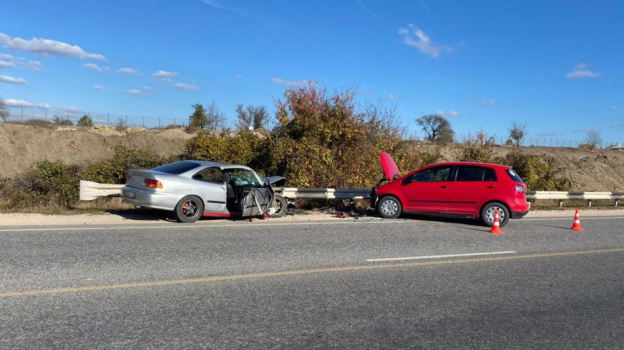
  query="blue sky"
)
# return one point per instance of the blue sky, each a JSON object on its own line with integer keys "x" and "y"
{"x": 554, "y": 65}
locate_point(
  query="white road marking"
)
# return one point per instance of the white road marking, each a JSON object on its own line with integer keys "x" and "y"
{"x": 441, "y": 256}
{"x": 175, "y": 226}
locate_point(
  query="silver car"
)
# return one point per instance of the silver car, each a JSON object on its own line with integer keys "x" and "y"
{"x": 192, "y": 189}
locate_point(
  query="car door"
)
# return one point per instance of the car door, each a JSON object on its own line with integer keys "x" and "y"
{"x": 208, "y": 186}
{"x": 427, "y": 190}
{"x": 471, "y": 184}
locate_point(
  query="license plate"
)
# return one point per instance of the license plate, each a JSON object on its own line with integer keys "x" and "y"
{"x": 129, "y": 194}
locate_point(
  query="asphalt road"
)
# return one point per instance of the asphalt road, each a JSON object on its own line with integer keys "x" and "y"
{"x": 314, "y": 285}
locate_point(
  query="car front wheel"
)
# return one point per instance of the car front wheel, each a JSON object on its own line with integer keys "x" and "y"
{"x": 189, "y": 209}
{"x": 278, "y": 207}
{"x": 389, "y": 207}
{"x": 488, "y": 213}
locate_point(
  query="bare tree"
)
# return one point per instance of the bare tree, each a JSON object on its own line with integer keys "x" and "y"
{"x": 255, "y": 117}
{"x": 4, "y": 112}
{"x": 593, "y": 138}
{"x": 436, "y": 128}
{"x": 517, "y": 132}
{"x": 215, "y": 119}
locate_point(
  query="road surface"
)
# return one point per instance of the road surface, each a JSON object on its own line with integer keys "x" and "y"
{"x": 367, "y": 284}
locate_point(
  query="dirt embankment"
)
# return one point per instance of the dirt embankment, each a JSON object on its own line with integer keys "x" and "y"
{"x": 21, "y": 146}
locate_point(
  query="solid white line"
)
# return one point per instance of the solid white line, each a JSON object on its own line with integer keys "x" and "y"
{"x": 440, "y": 256}
{"x": 174, "y": 226}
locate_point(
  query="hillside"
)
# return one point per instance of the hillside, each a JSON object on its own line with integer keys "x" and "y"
{"x": 21, "y": 146}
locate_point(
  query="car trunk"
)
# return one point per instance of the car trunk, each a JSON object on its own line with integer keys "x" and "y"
{"x": 137, "y": 177}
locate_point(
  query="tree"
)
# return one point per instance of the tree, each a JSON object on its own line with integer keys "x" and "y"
{"x": 252, "y": 116}
{"x": 215, "y": 119}
{"x": 198, "y": 118}
{"x": 85, "y": 121}
{"x": 4, "y": 112}
{"x": 436, "y": 128}
{"x": 517, "y": 132}
{"x": 593, "y": 138}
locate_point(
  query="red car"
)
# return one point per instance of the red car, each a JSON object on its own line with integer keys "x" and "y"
{"x": 462, "y": 189}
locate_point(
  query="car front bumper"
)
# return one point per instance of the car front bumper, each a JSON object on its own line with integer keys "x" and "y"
{"x": 149, "y": 198}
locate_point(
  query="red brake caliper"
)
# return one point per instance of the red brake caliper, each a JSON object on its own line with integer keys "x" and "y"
{"x": 184, "y": 211}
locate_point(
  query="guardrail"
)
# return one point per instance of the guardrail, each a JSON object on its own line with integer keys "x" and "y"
{"x": 91, "y": 190}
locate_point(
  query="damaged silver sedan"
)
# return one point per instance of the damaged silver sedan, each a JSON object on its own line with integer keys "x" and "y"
{"x": 192, "y": 189}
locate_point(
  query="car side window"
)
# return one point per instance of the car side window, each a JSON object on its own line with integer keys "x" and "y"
{"x": 437, "y": 174}
{"x": 474, "y": 173}
{"x": 209, "y": 175}
{"x": 489, "y": 175}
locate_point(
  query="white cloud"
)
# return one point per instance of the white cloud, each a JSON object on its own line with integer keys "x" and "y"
{"x": 165, "y": 74}
{"x": 11, "y": 102}
{"x": 12, "y": 80}
{"x": 489, "y": 102}
{"x": 416, "y": 37}
{"x": 47, "y": 47}
{"x": 8, "y": 61}
{"x": 581, "y": 70}
{"x": 448, "y": 114}
{"x": 289, "y": 83}
{"x": 135, "y": 92}
{"x": 183, "y": 86}
{"x": 95, "y": 67}
{"x": 70, "y": 109}
{"x": 6, "y": 64}
{"x": 97, "y": 87}
{"x": 127, "y": 70}
{"x": 393, "y": 97}
{"x": 43, "y": 105}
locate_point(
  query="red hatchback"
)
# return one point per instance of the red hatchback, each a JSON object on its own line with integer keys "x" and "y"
{"x": 463, "y": 189}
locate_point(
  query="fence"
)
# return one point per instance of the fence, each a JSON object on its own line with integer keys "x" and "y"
{"x": 23, "y": 114}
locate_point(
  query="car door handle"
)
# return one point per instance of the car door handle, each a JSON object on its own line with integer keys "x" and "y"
{"x": 443, "y": 186}
{"x": 491, "y": 186}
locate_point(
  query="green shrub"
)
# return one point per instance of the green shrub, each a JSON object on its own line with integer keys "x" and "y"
{"x": 85, "y": 120}
{"x": 540, "y": 173}
{"x": 115, "y": 170}
{"x": 49, "y": 184}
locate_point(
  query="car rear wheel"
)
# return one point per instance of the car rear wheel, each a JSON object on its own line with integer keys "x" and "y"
{"x": 189, "y": 209}
{"x": 278, "y": 207}
{"x": 389, "y": 207}
{"x": 489, "y": 210}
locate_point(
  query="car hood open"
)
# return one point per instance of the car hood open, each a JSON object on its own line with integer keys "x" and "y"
{"x": 390, "y": 169}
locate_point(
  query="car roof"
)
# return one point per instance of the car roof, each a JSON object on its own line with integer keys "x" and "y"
{"x": 469, "y": 163}
{"x": 207, "y": 163}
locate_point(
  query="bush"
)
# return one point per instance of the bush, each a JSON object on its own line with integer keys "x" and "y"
{"x": 539, "y": 173}
{"x": 478, "y": 149}
{"x": 115, "y": 170}
{"x": 242, "y": 148}
{"x": 49, "y": 184}
{"x": 85, "y": 120}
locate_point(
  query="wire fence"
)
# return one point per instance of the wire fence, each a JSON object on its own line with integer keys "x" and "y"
{"x": 525, "y": 142}
{"x": 62, "y": 115}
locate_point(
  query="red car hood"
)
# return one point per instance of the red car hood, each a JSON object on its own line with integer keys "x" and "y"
{"x": 389, "y": 167}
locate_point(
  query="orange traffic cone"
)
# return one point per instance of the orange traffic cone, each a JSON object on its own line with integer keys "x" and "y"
{"x": 496, "y": 227}
{"x": 577, "y": 222}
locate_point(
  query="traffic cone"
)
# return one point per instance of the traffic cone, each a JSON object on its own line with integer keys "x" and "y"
{"x": 496, "y": 227}
{"x": 577, "y": 222}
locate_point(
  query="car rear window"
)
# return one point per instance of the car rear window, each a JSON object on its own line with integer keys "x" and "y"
{"x": 512, "y": 174}
{"x": 474, "y": 173}
{"x": 177, "y": 167}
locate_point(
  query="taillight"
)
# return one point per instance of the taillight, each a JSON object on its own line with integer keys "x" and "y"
{"x": 520, "y": 189}
{"x": 151, "y": 183}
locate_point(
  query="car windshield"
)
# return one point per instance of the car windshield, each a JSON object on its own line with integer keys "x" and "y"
{"x": 243, "y": 177}
{"x": 177, "y": 167}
